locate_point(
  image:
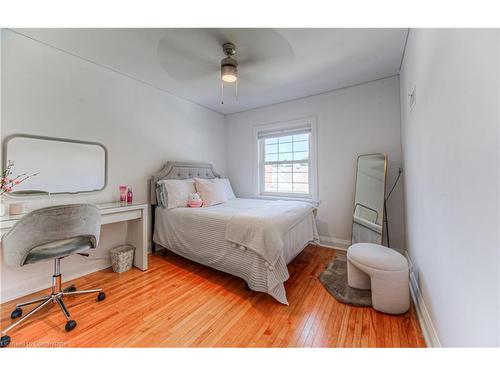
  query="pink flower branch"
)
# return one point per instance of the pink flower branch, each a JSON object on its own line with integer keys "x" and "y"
{"x": 7, "y": 183}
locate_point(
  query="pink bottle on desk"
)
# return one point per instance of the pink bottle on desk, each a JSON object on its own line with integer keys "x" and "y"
{"x": 123, "y": 193}
{"x": 130, "y": 196}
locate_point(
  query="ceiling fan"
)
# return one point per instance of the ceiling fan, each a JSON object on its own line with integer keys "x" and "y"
{"x": 228, "y": 70}
{"x": 194, "y": 55}
{"x": 229, "y": 65}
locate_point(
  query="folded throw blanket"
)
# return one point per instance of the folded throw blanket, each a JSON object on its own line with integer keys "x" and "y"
{"x": 262, "y": 229}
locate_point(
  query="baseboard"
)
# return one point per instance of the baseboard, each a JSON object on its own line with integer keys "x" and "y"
{"x": 334, "y": 243}
{"x": 430, "y": 335}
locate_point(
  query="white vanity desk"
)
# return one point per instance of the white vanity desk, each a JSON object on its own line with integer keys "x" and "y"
{"x": 136, "y": 214}
{"x": 114, "y": 212}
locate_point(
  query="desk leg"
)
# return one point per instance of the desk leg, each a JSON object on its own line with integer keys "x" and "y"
{"x": 137, "y": 236}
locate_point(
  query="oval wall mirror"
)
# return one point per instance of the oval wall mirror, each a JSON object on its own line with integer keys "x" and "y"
{"x": 62, "y": 166}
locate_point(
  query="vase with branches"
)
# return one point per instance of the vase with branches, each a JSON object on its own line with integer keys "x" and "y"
{"x": 8, "y": 182}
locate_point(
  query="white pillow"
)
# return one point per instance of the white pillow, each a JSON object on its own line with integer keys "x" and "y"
{"x": 178, "y": 192}
{"x": 226, "y": 185}
{"x": 210, "y": 192}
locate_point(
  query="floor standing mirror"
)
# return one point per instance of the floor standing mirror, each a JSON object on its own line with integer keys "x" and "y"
{"x": 368, "y": 217}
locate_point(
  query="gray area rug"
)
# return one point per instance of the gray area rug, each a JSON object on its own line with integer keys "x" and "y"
{"x": 334, "y": 278}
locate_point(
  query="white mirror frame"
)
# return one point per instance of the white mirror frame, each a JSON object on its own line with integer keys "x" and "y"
{"x": 39, "y": 192}
{"x": 383, "y": 196}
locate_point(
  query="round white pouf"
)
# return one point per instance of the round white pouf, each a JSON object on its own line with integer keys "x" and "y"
{"x": 384, "y": 271}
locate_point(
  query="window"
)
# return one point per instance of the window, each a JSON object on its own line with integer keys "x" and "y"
{"x": 287, "y": 160}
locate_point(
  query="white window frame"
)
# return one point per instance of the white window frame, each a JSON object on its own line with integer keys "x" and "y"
{"x": 258, "y": 175}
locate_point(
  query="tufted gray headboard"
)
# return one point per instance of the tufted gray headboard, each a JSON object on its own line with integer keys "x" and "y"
{"x": 174, "y": 170}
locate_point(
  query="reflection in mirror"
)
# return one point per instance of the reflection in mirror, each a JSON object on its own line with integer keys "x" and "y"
{"x": 368, "y": 218}
{"x": 62, "y": 165}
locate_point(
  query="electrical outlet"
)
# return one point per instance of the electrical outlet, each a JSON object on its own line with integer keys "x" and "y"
{"x": 413, "y": 97}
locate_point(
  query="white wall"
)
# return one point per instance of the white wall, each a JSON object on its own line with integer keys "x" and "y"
{"x": 352, "y": 121}
{"x": 451, "y": 158}
{"x": 51, "y": 93}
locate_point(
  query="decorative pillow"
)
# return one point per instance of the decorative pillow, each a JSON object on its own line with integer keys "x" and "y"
{"x": 161, "y": 195}
{"x": 228, "y": 190}
{"x": 177, "y": 192}
{"x": 211, "y": 193}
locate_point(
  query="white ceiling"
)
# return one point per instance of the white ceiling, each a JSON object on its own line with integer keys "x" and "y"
{"x": 275, "y": 65}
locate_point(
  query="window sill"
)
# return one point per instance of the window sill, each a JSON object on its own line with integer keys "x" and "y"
{"x": 286, "y": 198}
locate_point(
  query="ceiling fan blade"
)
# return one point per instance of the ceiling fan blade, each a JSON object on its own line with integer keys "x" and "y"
{"x": 187, "y": 54}
{"x": 254, "y": 45}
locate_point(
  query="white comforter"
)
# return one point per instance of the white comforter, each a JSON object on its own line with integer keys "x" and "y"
{"x": 199, "y": 234}
{"x": 263, "y": 225}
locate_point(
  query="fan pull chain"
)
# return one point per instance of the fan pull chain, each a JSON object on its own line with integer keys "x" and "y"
{"x": 221, "y": 92}
{"x": 236, "y": 90}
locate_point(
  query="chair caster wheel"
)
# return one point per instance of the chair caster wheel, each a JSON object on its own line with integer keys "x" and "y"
{"x": 4, "y": 341}
{"x": 70, "y": 325}
{"x": 101, "y": 296}
{"x": 16, "y": 313}
{"x": 71, "y": 288}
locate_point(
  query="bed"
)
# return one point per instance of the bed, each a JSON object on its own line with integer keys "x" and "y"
{"x": 216, "y": 236}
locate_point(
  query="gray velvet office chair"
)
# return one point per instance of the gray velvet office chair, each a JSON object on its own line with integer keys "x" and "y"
{"x": 51, "y": 233}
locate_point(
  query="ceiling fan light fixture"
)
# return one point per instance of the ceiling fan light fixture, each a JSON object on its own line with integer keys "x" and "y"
{"x": 229, "y": 70}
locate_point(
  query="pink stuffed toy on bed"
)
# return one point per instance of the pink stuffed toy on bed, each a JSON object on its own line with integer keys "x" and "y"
{"x": 194, "y": 200}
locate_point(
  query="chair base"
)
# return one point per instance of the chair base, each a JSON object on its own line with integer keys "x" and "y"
{"x": 56, "y": 297}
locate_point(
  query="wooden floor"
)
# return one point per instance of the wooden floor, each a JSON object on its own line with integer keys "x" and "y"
{"x": 178, "y": 303}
